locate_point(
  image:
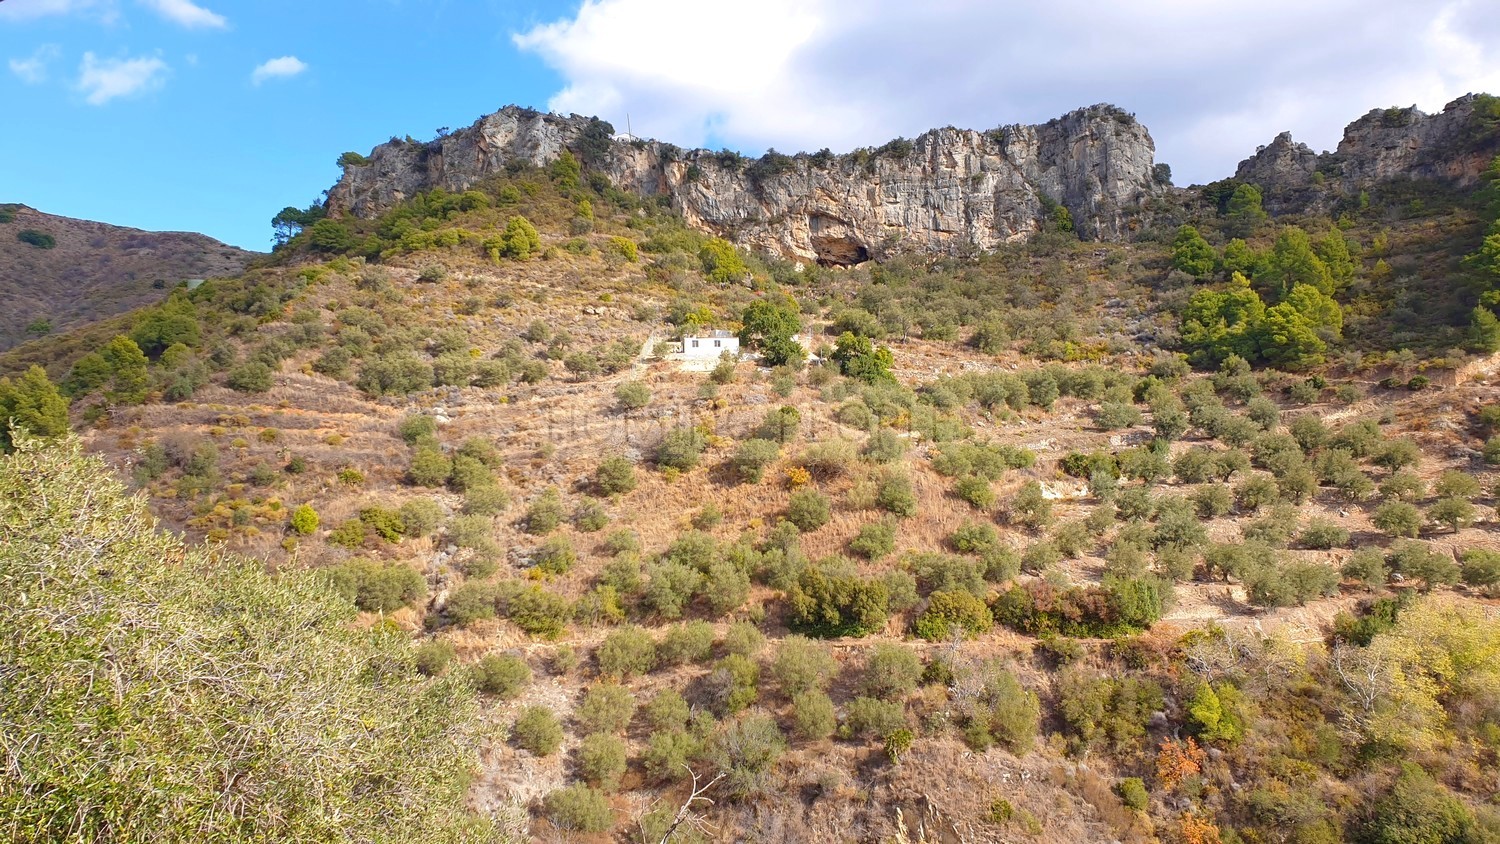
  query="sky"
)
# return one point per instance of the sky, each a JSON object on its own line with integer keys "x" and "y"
{"x": 212, "y": 115}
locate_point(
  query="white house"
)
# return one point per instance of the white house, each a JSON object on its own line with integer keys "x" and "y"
{"x": 710, "y": 344}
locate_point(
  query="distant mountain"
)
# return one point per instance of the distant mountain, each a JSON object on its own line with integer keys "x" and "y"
{"x": 58, "y": 272}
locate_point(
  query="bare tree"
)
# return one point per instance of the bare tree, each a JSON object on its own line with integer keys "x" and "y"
{"x": 685, "y": 813}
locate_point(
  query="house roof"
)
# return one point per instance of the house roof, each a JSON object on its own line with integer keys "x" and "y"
{"x": 717, "y": 333}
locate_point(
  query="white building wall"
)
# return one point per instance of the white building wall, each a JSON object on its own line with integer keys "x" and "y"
{"x": 709, "y": 347}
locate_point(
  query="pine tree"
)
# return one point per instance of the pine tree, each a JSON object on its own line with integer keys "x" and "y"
{"x": 1294, "y": 262}
{"x": 127, "y": 367}
{"x": 1192, "y": 254}
{"x": 1484, "y": 331}
{"x": 1244, "y": 213}
{"x": 33, "y": 404}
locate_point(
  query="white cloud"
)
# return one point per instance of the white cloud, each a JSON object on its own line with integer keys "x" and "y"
{"x": 1211, "y": 80}
{"x": 282, "y": 68}
{"x": 102, "y": 80}
{"x": 187, "y": 13}
{"x": 33, "y": 69}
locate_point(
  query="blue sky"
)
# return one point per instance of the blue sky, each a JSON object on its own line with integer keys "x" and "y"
{"x": 151, "y": 113}
{"x": 201, "y": 146}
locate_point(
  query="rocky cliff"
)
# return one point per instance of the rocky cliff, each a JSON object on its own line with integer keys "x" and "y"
{"x": 947, "y": 192}
{"x": 1453, "y": 147}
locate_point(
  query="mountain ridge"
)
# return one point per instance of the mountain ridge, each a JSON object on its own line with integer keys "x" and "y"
{"x": 948, "y": 191}
{"x": 92, "y": 270}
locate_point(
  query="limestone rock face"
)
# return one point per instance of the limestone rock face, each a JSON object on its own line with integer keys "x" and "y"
{"x": 1453, "y": 147}
{"x": 949, "y": 191}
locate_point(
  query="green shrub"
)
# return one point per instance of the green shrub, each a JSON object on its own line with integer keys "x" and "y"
{"x": 626, "y": 651}
{"x": 538, "y": 731}
{"x": 975, "y": 490}
{"x": 680, "y": 449}
{"x": 555, "y": 556}
{"x": 1005, "y": 713}
{"x": 434, "y": 656}
{"x": 545, "y": 513}
{"x": 744, "y": 638}
{"x": 733, "y": 684}
{"x": 885, "y": 446}
{"x": 606, "y": 708}
{"x": 808, "y": 509}
{"x": 490, "y": 500}
{"x": 615, "y": 475}
{"x": 780, "y": 425}
{"x": 832, "y": 604}
{"x": 801, "y": 664}
{"x": 1104, "y": 710}
{"x": 304, "y": 519}
{"x": 947, "y": 613}
{"x": 1367, "y": 565}
{"x": 539, "y": 612}
{"x": 421, "y": 516}
{"x": 1322, "y": 534}
{"x": 471, "y": 602}
{"x": 579, "y": 808}
{"x": 973, "y": 538}
{"x": 251, "y": 377}
{"x": 1397, "y": 518}
{"x": 895, "y": 495}
{"x": 501, "y": 675}
{"x": 874, "y": 540}
{"x": 601, "y": 761}
{"x": 752, "y": 457}
{"x": 633, "y": 395}
{"x": 1456, "y": 513}
{"x": 620, "y": 542}
{"x": 670, "y": 586}
{"x": 668, "y": 753}
{"x": 377, "y": 587}
{"x": 1417, "y": 808}
{"x": 685, "y": 643}
{"x": 891, "y": 671}
{"x": 1481, "y": 568}
{"x": 429, "y": 467}
{"x": 1419, "y": 561}
{"x": 867, "y": 717}
{"x": 472, "y": 532}
{"x": 1031, "y": 508}
{"x": 746, "y": 751}
{"x": 32, "y": 237}
{"x": 667, "y": 711}
{"x": 1133, "y": 794}
{"x": 385, "y": 523}
{"x": 813, "y": 715}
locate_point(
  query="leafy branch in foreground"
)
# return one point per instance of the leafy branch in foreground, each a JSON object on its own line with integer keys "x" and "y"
{"x": 167, "y": 693}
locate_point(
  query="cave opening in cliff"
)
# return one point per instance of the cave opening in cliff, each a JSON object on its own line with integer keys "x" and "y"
{"x": 840, "y": 251}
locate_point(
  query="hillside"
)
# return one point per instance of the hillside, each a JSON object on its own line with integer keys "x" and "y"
{"x": 1186, "y": 536}
{"x": 78, "y": 271}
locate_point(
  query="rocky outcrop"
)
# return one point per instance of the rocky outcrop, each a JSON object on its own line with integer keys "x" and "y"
{"x": 1453, "y": 147}
{"x": 949, "y": 191}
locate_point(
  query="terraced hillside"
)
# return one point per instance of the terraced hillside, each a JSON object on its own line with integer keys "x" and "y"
{"x": 1157, "y": 540}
